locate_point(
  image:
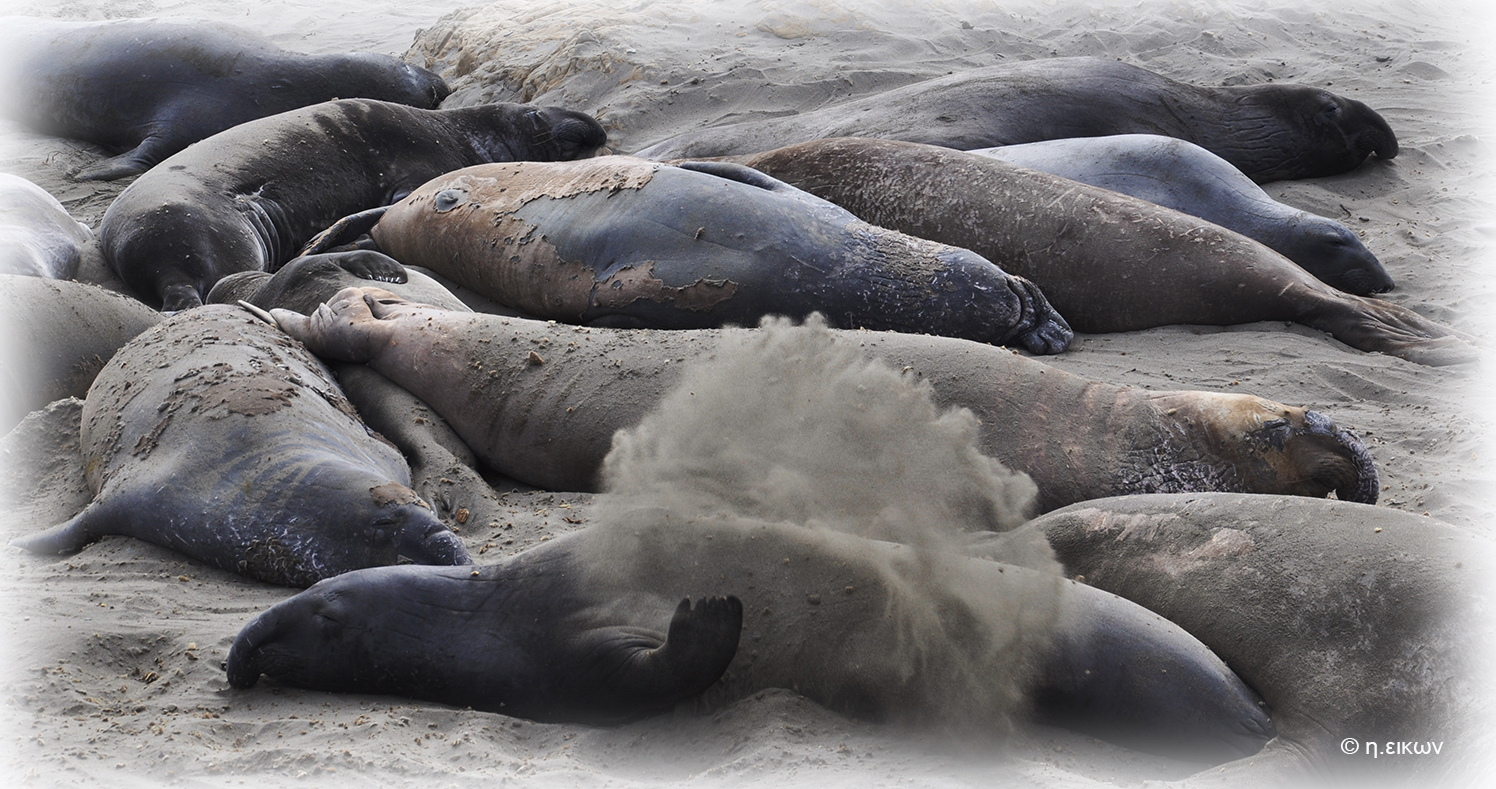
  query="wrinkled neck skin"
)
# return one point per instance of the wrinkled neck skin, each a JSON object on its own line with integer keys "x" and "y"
{"x": 1285, "y": 132}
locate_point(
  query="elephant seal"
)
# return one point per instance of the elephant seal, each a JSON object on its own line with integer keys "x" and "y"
{"x": 215, "y": 435}
{"x": 832, "y": 616}
{"x": 1185, "y": 177}
{"x": 1270, "y": 132}
{"x": 1108, "y": 262}
{"x": 540, "y": 403}
{"x": 38, "y": 237}
{"x": 147, "y": 88}
{"x": 624, "y": 242}
{"x": 248, "y": 198}
{"x": 58, "y": 335}
{"x": 307, "y": 281}
{"x": 1351, "y": 621}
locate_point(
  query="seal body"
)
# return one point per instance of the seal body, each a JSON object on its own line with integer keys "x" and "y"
{"x": 1185, "y": 177}
{"x": 147, "y": 88}
{"x": 1352, "y": 621}
{"x": 524, "y": 637}
{"x": 59, "y": 335}
{"x": 1270, "y": 132}
{"x": 540, "y": 403}
{"x": 246, "y": 199}
{"x": 620, "y": 241}
{"x": 1108, "y": 262}
{"x": 830, "y": 618}
{"x": 38, "y": 237}
{"x": 217, "y": 436}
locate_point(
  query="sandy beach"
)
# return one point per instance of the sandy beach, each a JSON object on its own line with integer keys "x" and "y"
{"x": 111, "y": 671}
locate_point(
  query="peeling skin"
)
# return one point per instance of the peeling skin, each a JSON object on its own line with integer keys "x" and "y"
{"x": 551, "y": 425}
{"x": 618, "y": 241}
{"x": 395, "y": 493}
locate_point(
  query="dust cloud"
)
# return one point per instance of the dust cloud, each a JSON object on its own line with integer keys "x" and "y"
{"x": 791, "y": 467}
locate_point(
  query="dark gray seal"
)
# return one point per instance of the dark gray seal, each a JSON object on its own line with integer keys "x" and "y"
{"x": 1185, "y": 177}
{"x": 1270, "y": 132}
{"x": 308, "y": 281}
{"x": 248, "y": 198}
{"x": 215, "y": 435}
{"x": 625, "y": 242}
{"x": 544, "y": 634}
{"x": 38, "y": 237}
{"x": 147, "y": 88}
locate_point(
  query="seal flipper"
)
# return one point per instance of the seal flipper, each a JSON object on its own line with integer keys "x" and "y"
{"x": 116, "y": 167}
{"x": 68, "y": 537}
{"x": 371, "y": 265}
{"x": 343, "y": 231}
{"x": 628, "y": 679}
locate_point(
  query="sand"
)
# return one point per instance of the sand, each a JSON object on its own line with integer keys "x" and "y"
{"x": 111, "y": 672}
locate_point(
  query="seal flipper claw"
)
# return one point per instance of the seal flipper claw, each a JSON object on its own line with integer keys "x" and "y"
{"x": 259, "y": 313}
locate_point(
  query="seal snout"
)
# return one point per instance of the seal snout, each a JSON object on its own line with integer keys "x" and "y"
{"x": 1361, "y": 485}
{"x": 429, "y": 541}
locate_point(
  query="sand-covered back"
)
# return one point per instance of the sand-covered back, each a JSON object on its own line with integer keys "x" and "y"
{"x": 111, "y": 673}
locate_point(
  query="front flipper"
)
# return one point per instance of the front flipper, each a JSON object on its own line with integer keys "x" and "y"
{"x": 371, "y": 265}
{"x": 344, "y": 231}
{"x": 69, "y": 537}
{"x": 132, "y": 162}
{"x": 622, "y": 675}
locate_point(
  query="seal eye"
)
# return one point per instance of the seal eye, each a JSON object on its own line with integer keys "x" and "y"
{"x": 448, "y": 199}
{"x": 1330, "y": 113}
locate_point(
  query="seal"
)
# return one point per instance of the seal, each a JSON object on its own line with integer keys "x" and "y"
{"x": 38, "y": 237}
{"x": 1108, "y": 262}
{"x": 830, "y": 619}
{"x": 519, "y": 638}
{"x": 625, "y": 242}
{"x": 147, "y": 88}
{"x": 305, "y": 282}
{"x": 58, "y": 335}
{"x": 1351, "y": 621}
{"x": 540, "y": 403}
{"x": 443, "y": 470}
{"x": 1185, "y": 177}
{"x": 245, "y": 199}
{"x": 1270, "y": 132}
{"x": 215, "y": 435}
